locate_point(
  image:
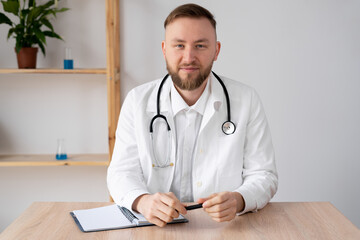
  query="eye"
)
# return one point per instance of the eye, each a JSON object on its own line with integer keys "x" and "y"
{"x": 179, "y": 46}
{"x": 200, "y": 46}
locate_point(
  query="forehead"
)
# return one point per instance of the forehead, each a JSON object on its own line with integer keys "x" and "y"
{"x": 187, "y": 28}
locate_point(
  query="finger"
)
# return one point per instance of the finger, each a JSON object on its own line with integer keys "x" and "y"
{"x": 228, "y": 204}
{"x": 223, "y": 213}
{"x": 215, "y": 199}
{"x": 157, "y": 222}
{"x": 171, "y": 200}
{"x": 163, "y": 216}
{"x": 172, "y": 212}
{"x": 178, "y": 206}
{"x": 202, "y": 200}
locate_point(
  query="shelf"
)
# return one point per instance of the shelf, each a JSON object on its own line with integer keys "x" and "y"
{"x": 49, "y": 160}
{"x": 56, "y": 71}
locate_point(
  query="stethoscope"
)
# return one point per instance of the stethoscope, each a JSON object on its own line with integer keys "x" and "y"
{"x": 228, "y": 127}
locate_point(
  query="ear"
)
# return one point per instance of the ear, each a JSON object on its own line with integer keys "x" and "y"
{"x": 218, "y": 46}
{"x": 163, "y": 47}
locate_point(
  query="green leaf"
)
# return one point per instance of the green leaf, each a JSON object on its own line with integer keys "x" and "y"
{"x": 52, "y": 34}
{"x": 5, "y": 19}
{"x": 40, "y": 35}
{"x": 11, "y": 7}
{"x": 18, "y": 46}
{"x": 31, "y": 3}
{"x": 24, "y": 15}
{"x": 62, "y": 10}
{"x": 45, "y": 13}
{"x": 42, "y": 47}
{"x": 11, "y": 31}
{"x": 33, "y": 14}
{"x": 19, "y": 32}
{"x": 50, "y": 11}
{"x": 20, "y": 27}
{"x": 48, "y": 4}
{"x": 47, "y": 23}
{"x": 25, "y": 12}
{"x": 32, "y": 40}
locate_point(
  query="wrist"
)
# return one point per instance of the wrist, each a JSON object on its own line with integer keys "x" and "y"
{"x": 136, "y": 206}
{"x": 240, "y": 203}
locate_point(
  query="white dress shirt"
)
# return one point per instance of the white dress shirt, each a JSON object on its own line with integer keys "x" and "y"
{"x": 187, "y": 121}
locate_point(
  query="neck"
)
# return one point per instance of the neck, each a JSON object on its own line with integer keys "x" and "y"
{"x": 191, "y": 96}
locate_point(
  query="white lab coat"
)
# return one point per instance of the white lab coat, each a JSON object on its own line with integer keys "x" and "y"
{"x": 243, "y": 161}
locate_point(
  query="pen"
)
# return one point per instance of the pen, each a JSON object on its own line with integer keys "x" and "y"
{"x": 192, "y": 207}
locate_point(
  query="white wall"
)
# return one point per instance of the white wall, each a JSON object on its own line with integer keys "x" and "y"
{"x": 301, "y": 56}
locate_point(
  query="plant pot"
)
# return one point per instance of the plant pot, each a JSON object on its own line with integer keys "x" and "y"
{"x": 26, "y": 57}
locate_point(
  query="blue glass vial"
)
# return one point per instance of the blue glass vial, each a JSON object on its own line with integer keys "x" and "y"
{"x": 68, "y": 64}
{"x": 61, "y": 153}
{"x": 68, "y": 61}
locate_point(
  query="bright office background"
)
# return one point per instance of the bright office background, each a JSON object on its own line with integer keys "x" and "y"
{"x": 302, "y": 57}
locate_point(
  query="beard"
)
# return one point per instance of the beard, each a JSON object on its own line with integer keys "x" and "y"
{"x": 190, "y": 81}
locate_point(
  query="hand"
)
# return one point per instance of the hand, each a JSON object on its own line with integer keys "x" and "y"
{"x": 159, "y": 208}
{"x": 223, "y": 206}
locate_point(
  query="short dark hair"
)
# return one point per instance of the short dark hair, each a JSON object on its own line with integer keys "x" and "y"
{"x": 190, "y": 10}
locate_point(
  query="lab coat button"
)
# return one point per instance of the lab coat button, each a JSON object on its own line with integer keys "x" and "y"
{"x": 199, "y": 184}
{"x": 201, "y": 150}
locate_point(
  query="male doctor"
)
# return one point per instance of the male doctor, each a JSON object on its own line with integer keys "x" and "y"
{"x": 194, "y": 159}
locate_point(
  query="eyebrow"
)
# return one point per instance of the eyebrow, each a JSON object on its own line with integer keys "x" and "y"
{"x": 197, "y": 41}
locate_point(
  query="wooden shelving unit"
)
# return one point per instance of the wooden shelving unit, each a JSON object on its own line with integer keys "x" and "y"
{"x": 112, "y": 72}
{"x": 49, "y": 160}
{"x": 55, "y": 71}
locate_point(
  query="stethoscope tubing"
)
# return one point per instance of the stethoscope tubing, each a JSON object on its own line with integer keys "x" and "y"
{"x": 158, "y": 115}
{"x": 159, "y": 93}
{"x": 226, "y": 96}
{"x": 228, "y": 127}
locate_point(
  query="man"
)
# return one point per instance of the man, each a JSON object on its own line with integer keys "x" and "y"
{"x": 190, "y": 156}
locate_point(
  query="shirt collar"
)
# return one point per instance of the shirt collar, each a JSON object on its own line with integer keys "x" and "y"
{"x": 178, "y": 104}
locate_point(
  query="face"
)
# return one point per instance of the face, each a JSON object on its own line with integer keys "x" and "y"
{"x": 190, "y": 48}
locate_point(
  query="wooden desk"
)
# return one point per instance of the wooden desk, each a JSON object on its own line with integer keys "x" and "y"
{"x": 315, "y": 220}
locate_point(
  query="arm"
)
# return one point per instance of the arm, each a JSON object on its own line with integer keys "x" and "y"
{"x": 259, "y": 171}
{"x": 125, "y": 175}
{"x": 125, "y": 178}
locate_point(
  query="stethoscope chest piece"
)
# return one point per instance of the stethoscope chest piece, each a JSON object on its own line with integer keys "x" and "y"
{"x": 228, "y": 127}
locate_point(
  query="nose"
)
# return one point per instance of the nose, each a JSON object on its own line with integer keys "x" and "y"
{"x": 189, "y": 55}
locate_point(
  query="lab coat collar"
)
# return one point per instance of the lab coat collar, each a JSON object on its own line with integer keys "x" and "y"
{"x": 215, "y": 100}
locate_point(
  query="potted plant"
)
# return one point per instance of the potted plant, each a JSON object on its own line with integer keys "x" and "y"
{"x": 31, "y": 28}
